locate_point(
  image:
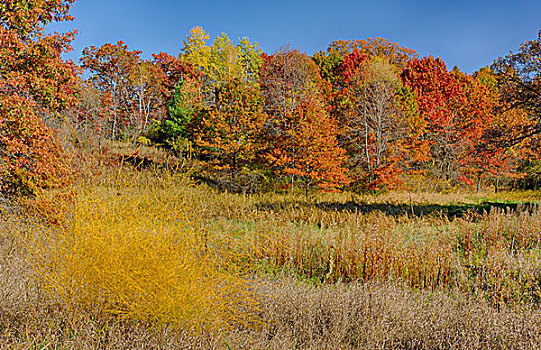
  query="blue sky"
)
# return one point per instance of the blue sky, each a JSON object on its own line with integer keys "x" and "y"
{"x": 469, "y": 34}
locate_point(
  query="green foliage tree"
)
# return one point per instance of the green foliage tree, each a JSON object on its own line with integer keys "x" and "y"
{"x": 182, "y": 110}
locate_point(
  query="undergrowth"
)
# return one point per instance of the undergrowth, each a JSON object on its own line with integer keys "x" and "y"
{"x": 130, "y": 245}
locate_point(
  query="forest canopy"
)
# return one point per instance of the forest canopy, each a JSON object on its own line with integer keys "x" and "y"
{"x": 362, "y": 115}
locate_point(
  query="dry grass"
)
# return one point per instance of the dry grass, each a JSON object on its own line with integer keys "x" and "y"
{"x": 386, "y": 316}
{"x": 355, "y": 316}
{"x": 494, "y": 256}
{"x": 458, "y": 244}
{"x": 423, "y": 271}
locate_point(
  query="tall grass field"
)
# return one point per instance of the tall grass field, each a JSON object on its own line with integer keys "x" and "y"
{"x": 154, "y": 260}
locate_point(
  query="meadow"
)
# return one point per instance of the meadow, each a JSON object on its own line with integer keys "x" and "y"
{"x": 153, "y": 259}
{"x": 213, "y": 200}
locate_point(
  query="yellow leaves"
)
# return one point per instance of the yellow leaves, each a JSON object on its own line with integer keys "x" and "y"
{"x": 195, "y": 50}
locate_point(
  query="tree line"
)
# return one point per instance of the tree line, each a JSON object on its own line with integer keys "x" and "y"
{"x": 361, "y": 115}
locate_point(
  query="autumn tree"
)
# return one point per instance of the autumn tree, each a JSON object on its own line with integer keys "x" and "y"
{"x": 230, "y": 132}
{"x": 35, "y": 84}
{"x": 286, "y": 79}
{"x": 112, "y": 66}
{"x": 183, "y": 103}
{"x": 223, "y": 65}
{"x": 372, "y": 119}
{"x": 221, "y": 62}
{"x": 302, "y": 133}
{"x": 173, "y": 70}
{"x": 438, "y": 97}
{"x": 146, "y": 82}
{"x": 458, "y": 110}
{"x": 307, "y": 147}
{"x": 379, "y": 47}
{"x": 330, "y": 60}
{"x": 92, "y": 112}
{"x": 196, "y": 51}
{"x": 519, "y": 81}
{"x": 249, "y": 58}
{"x": 503, "y": 149}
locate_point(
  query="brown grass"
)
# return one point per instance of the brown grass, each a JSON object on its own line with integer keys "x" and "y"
{"x": 354, "y": 316}
{"x": 459, "y": 246}
{"x": 376, "y": 273}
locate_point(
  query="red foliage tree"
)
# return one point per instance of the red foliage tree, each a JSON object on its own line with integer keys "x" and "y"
{"x": 173, "y": 70}
{"x": 458, "y": 110}
{"x": 111, "y": 66}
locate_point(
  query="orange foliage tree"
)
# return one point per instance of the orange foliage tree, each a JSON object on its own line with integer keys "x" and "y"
{"x": 111, "y": 66}
{"x": 35, "y": 84}
{"x": 458, "y": 109}
{"x": 503, "y": 147}
{"x": 230, "y": 132}
{"x": 375, "y": 127}
{"x": 302, "y": 136}
{"x": 308, "y": 147}
{"x": 519, "y": 81}
{"x": 379, "y": 47}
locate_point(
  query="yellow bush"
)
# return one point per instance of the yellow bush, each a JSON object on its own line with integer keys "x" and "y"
{"x": 134, "y": 250}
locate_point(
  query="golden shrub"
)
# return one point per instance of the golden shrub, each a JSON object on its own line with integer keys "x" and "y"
{"x": 135, "y": 250}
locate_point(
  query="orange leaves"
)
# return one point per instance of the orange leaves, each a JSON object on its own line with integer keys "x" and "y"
{"x": 378, "y": 47}
{"x": 30, "y": 155}
{"x": 302, "y": 136}
{"x": 309, "y": 148}
{"x": 34, "y": 83}
{"x": 137, "y": 88}
{"x": 231, "y": 131}
{"x": 374, "y": 126}
{"x": 26, "y": 18}
{"x": 460, "y": 110}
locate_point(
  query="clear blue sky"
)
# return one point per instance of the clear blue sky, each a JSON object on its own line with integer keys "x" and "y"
{"x": 469, "y": 34}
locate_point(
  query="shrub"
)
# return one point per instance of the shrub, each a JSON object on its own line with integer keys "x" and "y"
{"x": 134, "y": 251}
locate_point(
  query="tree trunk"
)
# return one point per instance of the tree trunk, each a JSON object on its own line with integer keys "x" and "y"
{"x": 114, "y": 125}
